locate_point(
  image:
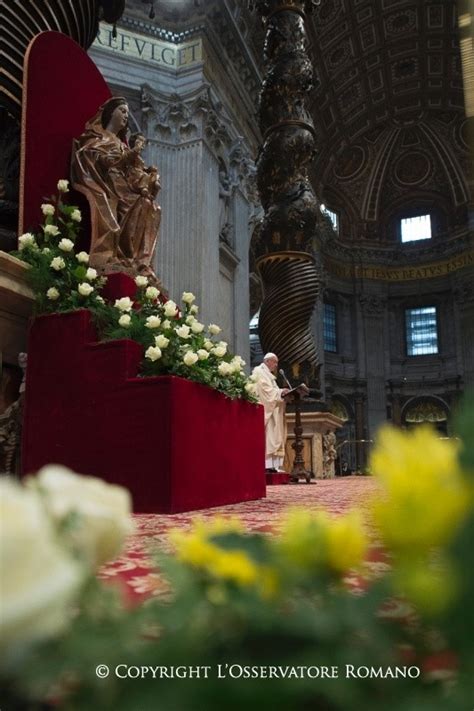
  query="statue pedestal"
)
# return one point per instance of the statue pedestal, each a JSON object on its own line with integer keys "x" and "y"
{"x": 175, "y": 444}
{"x": 16, "y": 305}
{"x": 315, "y": 426}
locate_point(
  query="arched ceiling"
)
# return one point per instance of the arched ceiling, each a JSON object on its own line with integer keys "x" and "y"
{"x": 385, "y": 61}
{"x": 389, "y": 109}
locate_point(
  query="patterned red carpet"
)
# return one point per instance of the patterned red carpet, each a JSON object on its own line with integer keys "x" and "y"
{"x": 133, "y": 569}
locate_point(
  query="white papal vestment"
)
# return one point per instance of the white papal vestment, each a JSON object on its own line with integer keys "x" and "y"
{"x": 269, "y": 395}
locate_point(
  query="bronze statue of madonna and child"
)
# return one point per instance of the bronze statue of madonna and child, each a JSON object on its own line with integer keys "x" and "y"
{"x": 121, "y": 192}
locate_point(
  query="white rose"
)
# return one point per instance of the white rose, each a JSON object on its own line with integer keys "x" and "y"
{"x": 161, "y": 341}
{"x": 124, "y": 304}
{"x": 197, "y": 327}
{"x": 190, "y": 319}
{"x": 52, "y": 230}
{"x": 82, "y": 257}
{"x": 194, "y": 309}
{"x": 208, "y": 345}
{"x": 251, "y": 388}
{"x": 166, "y": 324}
{"x": 153, "y": 322}
{"x": 91, "y": 274}
{"x": 46, "y": 250}
{"x": 188, "y": 297}
{"x": 202, "y": 354}
{"x": 224, "y": 368}
{"x": 101, "y": 511}
{"x": 52, "y": 294}
{"x": 26, "y": 240}
{"x": 219, "y": 351}
{"x": 141, "y": 280}
{"x": 238, "y": 359}
{"x": 153, "y": 353}
{"x": 183, "y": 331}
{"x": 76, "y": 215}
{"x": 100, "y": 299}
{"x": 66, "y": 245}
{"x": 63, "y": 186}
{"x": 125, "y": 320}
{"x": 152, "y": 293}
{"x": 190, "y": 358}
{"x": 47, "y": 209}
{"x": 57, "y": 263}
{"x": 85, "y": 289}
{"x": 170, "y": 308}
{"x": 214, "y": 329}
{"x": 40, "y": 579}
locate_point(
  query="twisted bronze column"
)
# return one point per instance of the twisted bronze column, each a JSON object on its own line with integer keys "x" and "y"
{"x": 285, "y": 248}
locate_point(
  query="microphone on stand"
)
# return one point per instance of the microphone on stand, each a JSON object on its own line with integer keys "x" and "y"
{"x": 282, "y": 373}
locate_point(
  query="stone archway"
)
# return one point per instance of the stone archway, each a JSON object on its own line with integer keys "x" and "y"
{"x": 426, "y": 410}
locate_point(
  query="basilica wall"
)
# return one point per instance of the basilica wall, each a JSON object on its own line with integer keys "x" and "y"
{"x": 195, "y": 104}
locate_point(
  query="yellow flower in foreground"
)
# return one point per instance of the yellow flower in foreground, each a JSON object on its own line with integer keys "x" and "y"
{"x": 198, "y": 549}
{"x": 425, "y": 495}
{"x": 431, "y": 587}
{"x": 315, "y": 540}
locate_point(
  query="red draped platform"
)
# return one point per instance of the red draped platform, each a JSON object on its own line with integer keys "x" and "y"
{"x": 177, "y": 445}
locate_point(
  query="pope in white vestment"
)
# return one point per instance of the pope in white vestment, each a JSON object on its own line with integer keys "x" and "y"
{"x": 272, "y": 399}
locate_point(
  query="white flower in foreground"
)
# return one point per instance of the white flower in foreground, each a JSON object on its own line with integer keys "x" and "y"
{"x": 100, "y": 299}
{"x": 52, "y": 230}
{"x": 39, "y": 579}
{"x": 194, "y": 309}
{"x": 183, "y": 331}
{"x": 66, "y": 245}
{"x": 47, "y": 208}
{"x": 208, "y": 345}
{"x": 214, "y": 329}
{"x": 57, "y": 263}
{"x": 190, "y": 319}
{"x": 166, "y": 324}
{"x": 85, "y": 289}
{"x": 153, "y": 353}
{"x": 153, "y": 322}
{"x": 46, "y": 250}
{"x": 125, "y": 320}
{"x": 102, "y": 511}
{"x": 141, "y": 280}
{"x": 170, "y": 308}
{"x": 219, "y": 351}
{"x": 202, "y": 354}
{"x": 63, "y": 186}
{"x": 76, "y": 215}
{"x": 224, "y": 368}
{"x": 161, "y": 341}
{"x": 26, "y": 240}
{"x": 124, "y": 304}
{"x": 188, "y": 297}
{"x": 152, "y": 293}
{"x": 52, "y": 294}
{"x": 190, "y": 358}
{"x": 197, "y": 327}
{"x": 82, "y": 257}
{"x": 91, "y": 274}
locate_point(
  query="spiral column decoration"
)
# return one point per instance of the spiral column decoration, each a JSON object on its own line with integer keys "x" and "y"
{"x": 285, "y": 248}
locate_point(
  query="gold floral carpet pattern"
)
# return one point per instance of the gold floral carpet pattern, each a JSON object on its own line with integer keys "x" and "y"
{"x": 134, "y": 570}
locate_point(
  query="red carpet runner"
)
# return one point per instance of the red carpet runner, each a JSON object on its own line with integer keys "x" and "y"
{"x": 336, "y": 496}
